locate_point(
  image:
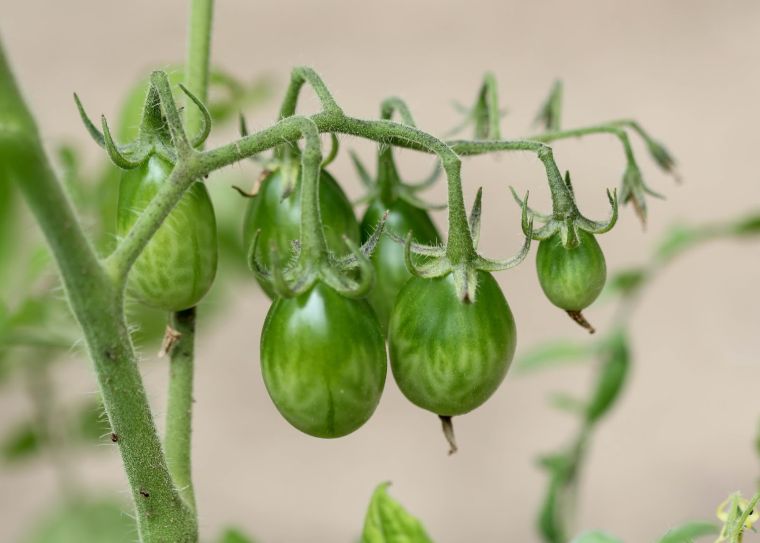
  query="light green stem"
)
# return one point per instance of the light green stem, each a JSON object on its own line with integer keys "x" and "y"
{"x": 198, "y": 54}
{"x": 179, "y": 411}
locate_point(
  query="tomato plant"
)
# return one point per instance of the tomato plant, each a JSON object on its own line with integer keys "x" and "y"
{"x": 336, "y": 285}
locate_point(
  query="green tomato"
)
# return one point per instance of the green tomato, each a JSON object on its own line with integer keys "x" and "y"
{"x": 571, "y": 278}
{"x": 447, "y": 356}
{"x": 388, "y": 259}
{"x": 324, "y": 362}
{"x": 280, "y": 220}
{"x": 178, "y": 265}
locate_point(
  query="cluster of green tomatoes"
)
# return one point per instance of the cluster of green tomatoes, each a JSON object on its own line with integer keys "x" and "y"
{"x": 348, "y": 294}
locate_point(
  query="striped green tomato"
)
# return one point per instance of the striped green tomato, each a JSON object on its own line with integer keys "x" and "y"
{"x": 571, "y": 278}
{"x": 388, "y": 258}
{"x": 447, "y": 356}
{"x": 323, "y": 360}
{"x": 178, "y": 265}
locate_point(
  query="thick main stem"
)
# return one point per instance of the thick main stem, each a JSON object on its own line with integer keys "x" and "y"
{"x": 97, "y": 304}
{"x": 179, "y": 411}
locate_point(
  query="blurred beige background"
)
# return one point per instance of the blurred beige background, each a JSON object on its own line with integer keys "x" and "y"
{"x": 680, "y": 439}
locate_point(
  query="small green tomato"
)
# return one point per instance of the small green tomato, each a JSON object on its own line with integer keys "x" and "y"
{"x": 571, "y": 278}
{"x": 178, "y": 265}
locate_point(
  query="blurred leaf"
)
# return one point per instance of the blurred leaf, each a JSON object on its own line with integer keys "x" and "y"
{"x": 625, "y": 282}
{"x": 676, "y": 240}
{"x": 615, "y": 363}
{"x": 747, "y": 226}
{"x": 9, "y": 234}
{"x": 550, "y": 113}
{"x": 595, "y": 537}
{"x": 553, "y": 353}
{"x": 85, "y": 521}
{"x": 550, "y": 521}
{"x": 21, "y": 443}
{"x": 687, "y": 533}
{"x": 565, "y": 402}
{"x": 388, "y": 522}
{"x": 233, "y": 535}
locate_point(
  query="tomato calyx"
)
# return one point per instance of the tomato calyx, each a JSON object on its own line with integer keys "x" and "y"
{"x": 565, "y": 217}
{"x": 312, "y": 260}
{"x": 160, "y": 133}
{"x": 484, "y": 115}
{"x": 440, "y": 260}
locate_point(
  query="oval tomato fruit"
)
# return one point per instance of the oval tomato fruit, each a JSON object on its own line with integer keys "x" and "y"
{"x": 447, "y": 356}
{"x": 571, "y": 278}
{"x": 178, "y": 265}
{"x": 323, "y": 360}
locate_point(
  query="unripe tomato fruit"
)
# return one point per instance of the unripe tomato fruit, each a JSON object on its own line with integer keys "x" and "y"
{"x": 388, "y": 259}
{"x": 447, "y": 356}
{"x": 178, "y": 265}
{"x": 571, "y": 278}
{"x": 324, "y": 362}
{"x": 280, "y": 220}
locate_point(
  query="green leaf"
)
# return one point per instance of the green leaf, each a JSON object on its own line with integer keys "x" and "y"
{"x": 553, "y": 353}
{"x": 85, "y": 521}
{"x": 611, "y": 378}
{"x": 565, "y": 402}
{"x": 388, "y": 522}
{"x": 626, "y": 282}
{"x": 687, "y": 533}
{"x": 233, "y": 535}
{"x": 596, "y": 537}
{"x": 550, "y": 522}
{"x": 676, "y": 240}
{"x": 21, "y": 443}
{"x": 747, "y": 226}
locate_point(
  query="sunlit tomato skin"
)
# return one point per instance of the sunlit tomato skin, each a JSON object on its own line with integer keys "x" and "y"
{"x": 323, "y": 360}
{"x": 388, "y": 259}
{"x": 280, "y": 220}
{"x": 447, "y": 356}
{"x": 178, "y": 265}
{"x": 571, "y": 278}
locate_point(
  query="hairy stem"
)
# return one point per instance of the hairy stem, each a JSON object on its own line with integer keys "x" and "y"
{"x": 97, "y": 304}
{"x": 198, "y": 53}
{"x": 179, "y": 411}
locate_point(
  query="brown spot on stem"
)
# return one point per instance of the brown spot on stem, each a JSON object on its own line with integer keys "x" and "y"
{"x": 578, "y": 317}
{"x": 144, "y": 493}
{"x": 448, "y": 432}
{"x": 171, "y": 337}
{"x": 114, "y": 438}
